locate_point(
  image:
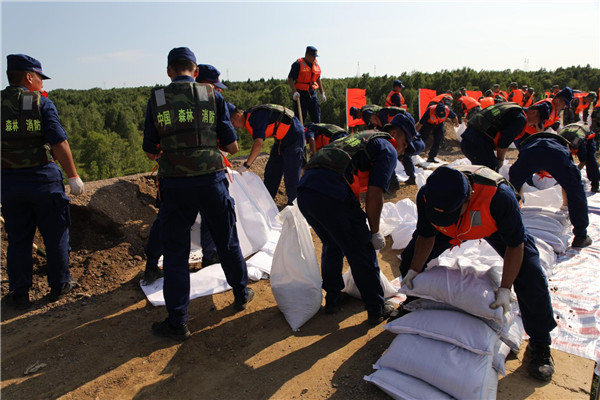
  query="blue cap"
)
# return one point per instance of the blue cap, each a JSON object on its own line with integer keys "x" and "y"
{"x": 22, "y": 62}
{"x": 440, "y": 110}
{"x": 354, "y": 112}
{"x": 445, "y": 192}
{"x": 312, "y": 50}
{"x": 181, "y": 53}
{"x": 230, "y": 107}
{"x": 544, "y": 109}
{"x": 407, "y": 125}
{"x": 398, "y": 83}
{"x": 209, "y": 74}
{"x": 567, "y": 95}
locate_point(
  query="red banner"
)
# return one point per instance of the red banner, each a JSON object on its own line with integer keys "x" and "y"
{"x": 355, "y": 98}
{"x": 476, "y": 94}
{"x": 425, "y": 96}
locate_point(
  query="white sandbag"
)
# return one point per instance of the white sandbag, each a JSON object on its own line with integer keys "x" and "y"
{"x": 542, "y": 182}
{"x": 558, "y": 243}
{"x": 547, "y": 256}
{"x": 404, "y": 387}
{"x": 352, "y": 290}
{"x": 551, "y": 197}
{"x": 398, "y": 220}
{"x": 454, "y": 327}
{"x": 295, "y": 274}
{"x": 512, "y": 334}
{"x": 544, "y": 223}
{"x": 456, "y": 371}
{"x": 552, "y": 212}
{"x": 501, "y": 351}
{"x": 470, "y": 293}
{"x": 461, "y": 128}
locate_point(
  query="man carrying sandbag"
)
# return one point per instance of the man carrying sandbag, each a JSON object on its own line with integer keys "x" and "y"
{"x": 474, "y": 202}
{"x": 328, "y": 197}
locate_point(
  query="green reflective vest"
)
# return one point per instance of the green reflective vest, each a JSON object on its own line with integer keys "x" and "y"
{"x": 184, "y": 115}
{"x": 488, "y": 120}
{"x": 23, "y": 142}
{"x": 338, "y": 155}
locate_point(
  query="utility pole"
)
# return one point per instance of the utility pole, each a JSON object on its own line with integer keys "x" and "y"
{"x": 357, "y": 69}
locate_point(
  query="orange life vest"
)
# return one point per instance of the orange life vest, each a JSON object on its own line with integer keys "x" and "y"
{"x": 477, "y": 221}
{"x": 277, "y": 129}
{"x": 388, "y": 100}
{"x": 581, "y": 106}
{"x": 433, "y": 118}
{"x": 308, "y": 76}
{"x": 515, "y": 96}
{"x": 527, "y": 102}
{"x": 468, "y": 103}
{"x": 445, "y": 97}
{"x": 554, "y": 117}
{"x": 486, "y": 102}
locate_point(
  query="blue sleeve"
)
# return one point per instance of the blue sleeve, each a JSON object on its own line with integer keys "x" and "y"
{"x": 582, "y": 151}
{"x": 384, "y": 164}
{"x": 225, "y": 130}
{"x": 51, "y": 126}
{"x": 294, "y": 70}
{"x": 424, "y": 117}
{"x": 259, "y": 120}
{"x": 151, "y": 139}
{"x": 424, "y": 227}
{"x": 452, "y": 114}
{"x": 309, "y": 133}
{"x": 505, "y": 210}
{"x": 511, "y": 127}
{"x": 396, "y": 100}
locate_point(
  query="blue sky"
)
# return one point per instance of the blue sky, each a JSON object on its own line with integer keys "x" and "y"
{"x": 125, "y": 44}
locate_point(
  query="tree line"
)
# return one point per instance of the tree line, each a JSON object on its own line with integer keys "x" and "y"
{"x": 105, "y": 127}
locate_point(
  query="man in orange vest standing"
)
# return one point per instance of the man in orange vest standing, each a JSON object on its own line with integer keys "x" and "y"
{"x": 305, "y": 79}
{"x": 515, "y": 95}
{"x": 395, "y": 97}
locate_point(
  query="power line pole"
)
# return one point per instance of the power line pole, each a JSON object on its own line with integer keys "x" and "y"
{"x": 357, "y": 69}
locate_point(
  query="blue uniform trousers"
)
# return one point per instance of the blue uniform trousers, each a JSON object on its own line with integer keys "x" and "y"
{"x": 566, "y": 173}
{"x": 26, "y": 206}
{"x": 591, "y": 162}
{"x": 285, "y": 161}
{"x": 179, "y": 210}
{"x": 530, "y": 285}
{"x": 438, "y": 135}
{"x": 310, "y": 104}
{"x": 342, "y": 227}
{"x": 479, "y": 148}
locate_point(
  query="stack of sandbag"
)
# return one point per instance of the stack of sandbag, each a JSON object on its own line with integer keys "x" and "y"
{"x": 452, "y": 343}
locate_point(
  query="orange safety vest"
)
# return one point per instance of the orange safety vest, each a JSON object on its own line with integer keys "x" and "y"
{"x": 515, "y": 96}
{"x": 527, "y": 102}
{"x": 581, "y": 106}
{"x": 469, "y": 103}
{"x": 433, "y": 118}
{"x": 308, "y": 76}
{"x": 388, "y": 100}
{"x": 279, "y": 130}
{"x": 554, "y": 116}
{"x": 445, "y": 97}
{"x": 477, "y": 221}
{"x": 486, "y": 102}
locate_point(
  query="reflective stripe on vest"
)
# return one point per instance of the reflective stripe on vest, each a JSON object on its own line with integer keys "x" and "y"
{"x": 185, "y": 118}
{"x": 308, "y": 76}
{"x": 23, "y": 142}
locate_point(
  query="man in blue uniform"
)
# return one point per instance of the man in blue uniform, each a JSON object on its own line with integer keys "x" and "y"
{"x": 432, "y": 121}
{"x": 328, "y": 199}
{"x": 186, "y": 125}
{"x": 305, "y": 79}
{"x": 286, "y": 154}
{"x": 490, "y": 132}
{"x": 549, "y": 152}
{"x": 443, "y": 203}
{"x": 33, "y": 193}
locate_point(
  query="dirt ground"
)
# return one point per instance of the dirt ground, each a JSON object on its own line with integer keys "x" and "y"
{"x": 96, "y": 343}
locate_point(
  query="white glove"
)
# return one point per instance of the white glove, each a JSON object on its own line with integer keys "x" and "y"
{"x": 407, "y": 280}
{"x": 378, "y": 240}
{"x": 296, "y": 96}
{"x": 323, "y": 97}
{"x": 502, "y": 299}
{"x": 242, "y": 168}
{"x": 76, "y": 185}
